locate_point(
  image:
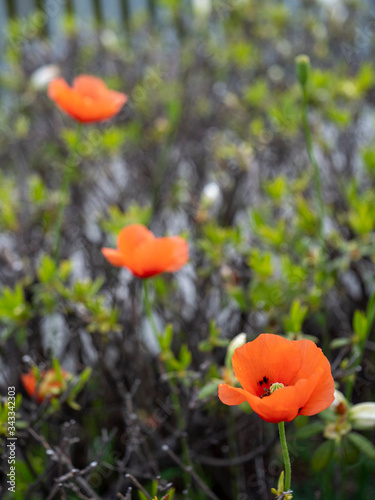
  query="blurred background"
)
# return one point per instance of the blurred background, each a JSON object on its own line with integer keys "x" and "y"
{"x": 279, "y": 214}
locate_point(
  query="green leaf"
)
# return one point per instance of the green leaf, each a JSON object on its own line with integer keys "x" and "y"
{"x": 57, "y": 368}
{"x": 341, "y": 342}
{"x": 322, "y": 455}
{"x": 47, "y": 269}
{"x": 166, "y": 339}
{"x": 280, "y": 484}
{"x": 363, "y": 444}
{"x": 79, "y": 384}
{"x": 154, "y": 487}
{"x": 310, "y": 430}
{"x": 360, "y": 324}
{"x": 209, "y": 389}
{"x": 185, "y": 357}
{"x": 350, "y": 453}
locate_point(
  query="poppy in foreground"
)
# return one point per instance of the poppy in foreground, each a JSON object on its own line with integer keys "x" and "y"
{"x": 87, "y": 100}
{"x": 280, "y": 378}
{"x": 49, "y": 385}
{"x": 144, "y": 254}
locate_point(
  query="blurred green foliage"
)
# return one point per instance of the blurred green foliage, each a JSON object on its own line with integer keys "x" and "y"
{"x": 211, "y": 146}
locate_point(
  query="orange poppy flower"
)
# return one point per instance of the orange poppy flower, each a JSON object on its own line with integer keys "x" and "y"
{"x": 88, "y": 100}
{"x": 145, "y": 255}
{"x": 280, "y": 378}
{"x": 49, "y": 385}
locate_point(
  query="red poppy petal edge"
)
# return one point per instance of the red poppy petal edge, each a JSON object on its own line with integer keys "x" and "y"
{"x": 231, "y": 395}
{"x": 114, "y": 257}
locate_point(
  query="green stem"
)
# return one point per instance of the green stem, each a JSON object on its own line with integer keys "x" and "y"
{"x": 68, "y": 174}
{"x": 172, "y": 385}
{"x": 370, "y": 316}
{"x": 284, "y": 447}
{"x": 310, "y": 152}
{"x": 148, "y": 309}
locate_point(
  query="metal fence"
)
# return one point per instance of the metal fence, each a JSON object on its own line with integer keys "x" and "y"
{"x": 98, "y": 10}
{"x": 88, "y": 12}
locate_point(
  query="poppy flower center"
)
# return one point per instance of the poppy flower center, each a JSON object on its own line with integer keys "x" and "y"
{"x": 267, "y": 391}
{"x": 275, "y": 386}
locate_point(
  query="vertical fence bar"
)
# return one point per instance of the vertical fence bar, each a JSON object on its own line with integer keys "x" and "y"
{"x": 111, "y": 10}
{"x": 11, "y": 8}
{"x": 136, "y": 6}
{"x": 39, "y": 5}
{"x": 69, "y": 7}
{"x": 152, "y": 9}
{"x": 83, "y": 11}
{"x": 3, "y": 27}
{"x": 55, "y": 13}
{"x": 125, "y": 12}
{"x": 97, "y": 12}
{"x": 24, "y": 7}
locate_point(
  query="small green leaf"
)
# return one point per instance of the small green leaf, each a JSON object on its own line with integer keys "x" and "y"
{"x": 47, "y": 269}
{"x": 360, "y": 324}
{"x": 185, "y": 356}
{"x": 280, "y": 484}
{"x": 363, "y": 444}
{"x": 310, "y": 430}
{"x": 322, "y": 455}
{"x": 341, "y": 342}
{"x": 350, "y": 453}
{"x": 209, "y": 389}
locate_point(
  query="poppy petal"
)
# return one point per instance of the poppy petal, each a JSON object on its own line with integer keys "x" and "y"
{"x": 29, "y": 383}
{"x": 281, "y": 406}
{"x": 66, "y": 98}
{"x": 131, "y": 237}
{"x": 323, "y": 394}
{"x": 266, "y": 360}
{"x": 162, "y": 255}
{"x": 114, "y": 257}
{"x": 89, "y": 99}
{"x": 90, "y": 86}
{"x": 231, "y": 395}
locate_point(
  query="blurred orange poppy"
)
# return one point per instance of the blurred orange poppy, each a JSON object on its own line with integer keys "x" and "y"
{"x": 145, "y": 255}
{"x": 88, "y": 100}
{"x": 280, "y": 378}
{"x": 49, "y": 386}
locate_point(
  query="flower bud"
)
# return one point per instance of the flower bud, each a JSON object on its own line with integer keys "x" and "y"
{"x": 238, "y": 341}
{"x": 202, "y": 8}
{"x": 339, "y": 405}
{"x": 42, "y": 76}
{"x": 362, "y": 416}
{"x": 302, "y": 68}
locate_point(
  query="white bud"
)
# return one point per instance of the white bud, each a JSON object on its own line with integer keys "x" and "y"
{"x": 339, "y": 398}
{"x": 238, "y": 341}
{"x": 43, "y": 76}
{"x": 202, "y": 8}
{"x": 362, "y": 416}
{"x": 211, "y": 193}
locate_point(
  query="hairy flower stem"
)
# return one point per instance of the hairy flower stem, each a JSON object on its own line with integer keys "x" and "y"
{"x": 284, "y": 448}
{"x": 68, "y": 174}
{"x": 172, "y": 385}
{"x": 310, "y": 152}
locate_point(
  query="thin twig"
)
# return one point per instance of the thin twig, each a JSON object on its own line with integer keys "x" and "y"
{"x": 138, "y": 485}
{"x": 189, "y": 470}
{"x": 67, "y": 462}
